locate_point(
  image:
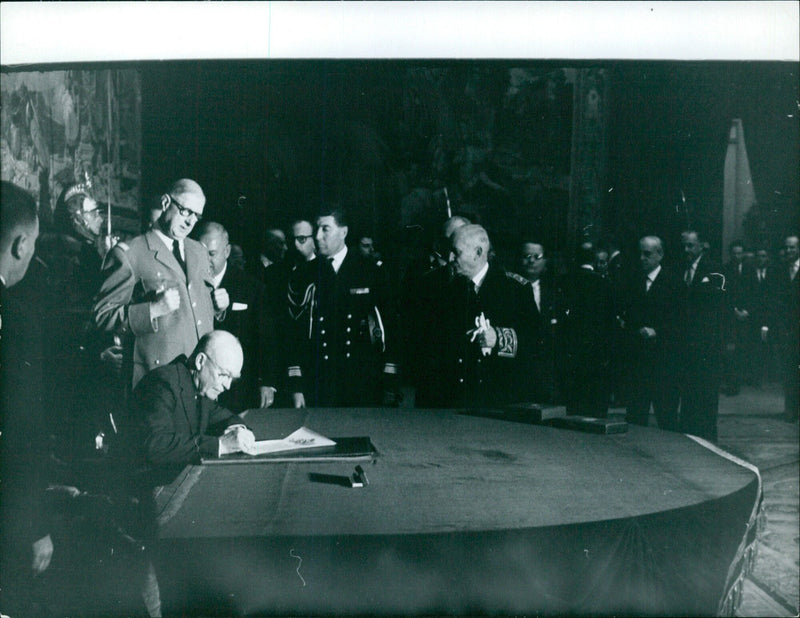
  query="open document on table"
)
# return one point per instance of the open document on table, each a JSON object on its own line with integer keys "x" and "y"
{"x": 300, "y": 439}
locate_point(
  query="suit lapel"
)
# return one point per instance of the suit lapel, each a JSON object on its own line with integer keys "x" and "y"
{"x": 196, "y": 259}
{"x": 163, "y": 254}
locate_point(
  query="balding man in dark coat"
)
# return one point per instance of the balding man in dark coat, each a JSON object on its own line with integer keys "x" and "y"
{"x": 651, "y": 324}
{"x": 699, "y": 369}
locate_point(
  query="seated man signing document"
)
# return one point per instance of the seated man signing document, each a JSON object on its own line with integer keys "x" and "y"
{"x": 176, "y": 410}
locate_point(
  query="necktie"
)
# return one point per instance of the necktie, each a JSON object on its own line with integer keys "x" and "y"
{"x": 761, "y": 275}
{"x": 176, "y": 251}
{"x": 537, "y": 294}
{"x": 688, "y": 276}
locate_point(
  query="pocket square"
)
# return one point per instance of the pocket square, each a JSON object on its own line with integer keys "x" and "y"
{"x": 238, "y": 306}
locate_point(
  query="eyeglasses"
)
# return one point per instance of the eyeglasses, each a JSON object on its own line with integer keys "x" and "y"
{"x": 302, "y": 238}
{"x": 222, "y": 373}
{"x": 533, "y": 256}
{"x": 183, "y": 211}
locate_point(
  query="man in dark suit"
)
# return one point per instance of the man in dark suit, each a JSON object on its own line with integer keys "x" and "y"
{"x": 699, "y": 369}
{"x": 176, "y": 417}
{"x": 650, "y": 324}
{"x": 156, "y": 287}
{"x": 789, "y": 302}
{"x": 176, "y": 421}
{"x": 26, "y": 546}
{"x": 481, "y": 325}
{"x": 586, "y": 333}
{"x": 248, "y": 318}
{"x": 736, "y": 319}
{"x": 531, "y": 271}
{"x": 762, "y": 308}
{"x": 343, "y": 340}
{"x": 421, "y": 284}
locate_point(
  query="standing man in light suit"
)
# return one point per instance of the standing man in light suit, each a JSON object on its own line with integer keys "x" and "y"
{"x": 158, "y": 288}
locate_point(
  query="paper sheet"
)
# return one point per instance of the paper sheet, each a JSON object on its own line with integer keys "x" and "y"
{"x": 302, "y": 438}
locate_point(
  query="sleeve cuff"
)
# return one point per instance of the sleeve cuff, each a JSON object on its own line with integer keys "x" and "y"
{"x": 507, "y": 342}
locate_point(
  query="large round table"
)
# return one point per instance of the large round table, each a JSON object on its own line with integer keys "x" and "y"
{"x": 461, "y": 515}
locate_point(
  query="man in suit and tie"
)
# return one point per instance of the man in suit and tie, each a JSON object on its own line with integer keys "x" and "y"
{"x": 539, "y": 383}
{"x": 651, "y": 324}
{"x": 342, "y": 353}
{"x": 789, "y": 303}
{"x": 176, "y": 421}
{"x": 700, "y": 369}
{"x": 762, "y": 308}
{"x": 157, "y": 288}
{"x": 176, "y": 417}
{"x": 586, "y": 327}
{"x": 247, "y": 317}
{"x": 737, "y": 318}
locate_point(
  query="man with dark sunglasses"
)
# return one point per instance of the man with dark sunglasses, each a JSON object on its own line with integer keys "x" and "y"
{"x": 158, "y": 291}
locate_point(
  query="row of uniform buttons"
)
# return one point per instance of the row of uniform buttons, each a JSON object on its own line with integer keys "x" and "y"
{"x": 460, "y": 362}
{"x": 325, "y": 343}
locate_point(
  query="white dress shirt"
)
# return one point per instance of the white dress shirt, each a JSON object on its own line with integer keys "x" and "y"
{"x": 338, "y": 258}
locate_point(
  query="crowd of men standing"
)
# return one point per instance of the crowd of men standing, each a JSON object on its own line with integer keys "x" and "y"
{"x": 145, "y": 368}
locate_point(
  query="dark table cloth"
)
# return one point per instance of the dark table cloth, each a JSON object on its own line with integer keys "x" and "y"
{"x": 462, "y": 515}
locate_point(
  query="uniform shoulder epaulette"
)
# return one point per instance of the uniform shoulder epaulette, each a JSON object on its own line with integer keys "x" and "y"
{"x": 518, "y": 278}
{"x": 123, "y": 245}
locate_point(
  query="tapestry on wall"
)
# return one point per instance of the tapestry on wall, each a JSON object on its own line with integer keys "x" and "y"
{"x": 60, "y": 127}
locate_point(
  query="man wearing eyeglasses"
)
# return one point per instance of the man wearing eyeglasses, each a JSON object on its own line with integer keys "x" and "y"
{"x": 158, "y": 290}
{"x": 531, "y": 268}
{"x": 302, "y": 234}
{"x": 176, "y": 417}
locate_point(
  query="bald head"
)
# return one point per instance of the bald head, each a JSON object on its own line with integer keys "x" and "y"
{"x": 214, "y": 237}
{"x": 186, "y": 187}
{"x": 470, "y": 249}
{"x": 215, "y": 363}
{"x": 452, "y": 224}
{"x": 651, "y": 252}
{"x": 791, "y": 247}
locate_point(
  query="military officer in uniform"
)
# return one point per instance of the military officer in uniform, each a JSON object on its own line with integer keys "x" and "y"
{"x": 158, "y": 288}
{"x": 483, "y": 329}
{"x": 341, "y": 355}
